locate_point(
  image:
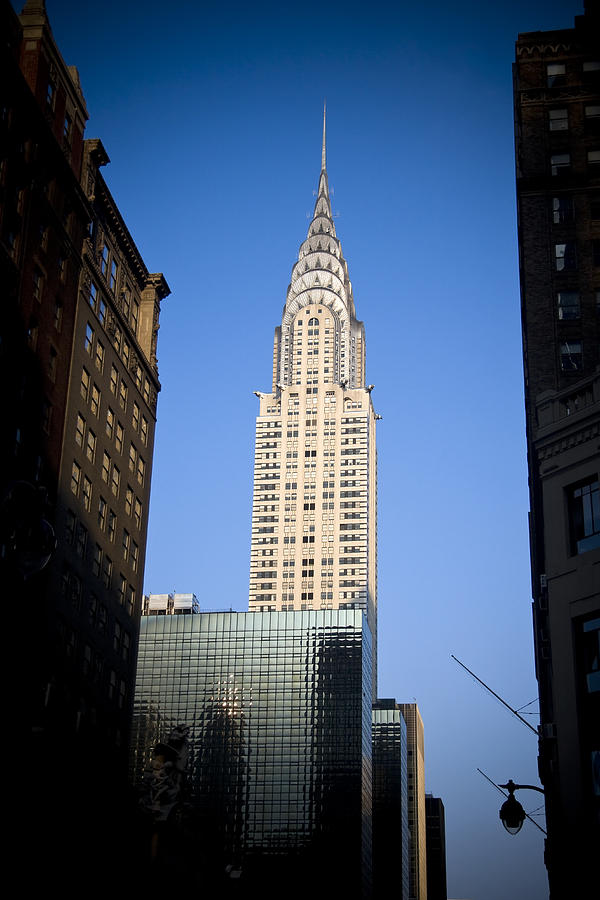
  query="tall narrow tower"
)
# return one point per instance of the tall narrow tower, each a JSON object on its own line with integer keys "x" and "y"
{"x": 314, "y": 529}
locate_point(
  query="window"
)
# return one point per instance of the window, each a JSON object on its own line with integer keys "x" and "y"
{"x": 105, "y": 466}
{"x": 87, "y": 493}
{"x": 93, "y": 295}
{"x": 556, "y": 74}
{"x": 562, "y": 209}
{"x": 132, "y": 457}
{"x": 110, "y": 422}
{"x": 89, "y": 338}
{"x": 592, "y": 119}
{"x": 591, "y": 70}
{"x": 79, "y": 430}
{"x": 135, "y": 419}
{"x": 134, "y": 556}
{"x": 95, "y": 400}
{"x": 141, "y": 470}
{"x": 106, "y": 571}
{"x": 67, "y": 128}
{"x": 584, "y": 515}
{"x": 112, "y": 525}
{"x": 102, "y": 311}
{"x": 100, "y": 354}
{"x": 38, "y": 285}
{"x": 85, "y": 384}
{"x": 51, "y": 95}
{"x": 571, "y": 356}
{"x": 114, "y": 380}
{"x": 75, "y": 478}
{"x": 135, "y": 311}
{"x": 565, "y": 256}
{"x": 137, "y": 513}
{"x": 116, "y": 480}
{"x": 101, "y": 512}
{"x": 113, "y": 275}
{"x": 90, "y": 450}
{"x": 144, "y": 431}
{"x": 123, "y": 395}
{"x": 129, "y": 500}
{"x": 104, "y": 254}
{"x": 119, "y": 438}
{"x": 558, "y": 119}
{"x": 97, "y": 561}
{"x": 125, "y": 544}
{"x": 560, "y": 163}
{"x": 568, "y": 305}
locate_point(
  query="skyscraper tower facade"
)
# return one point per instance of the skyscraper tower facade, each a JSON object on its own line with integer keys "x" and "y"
{"x": 557, "y": 129}
{"x": 314, "y": 528}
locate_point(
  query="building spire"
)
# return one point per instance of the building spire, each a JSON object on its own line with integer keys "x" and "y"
{"x": 324, "y": 146}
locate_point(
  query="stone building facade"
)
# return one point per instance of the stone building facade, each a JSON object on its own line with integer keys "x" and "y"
{"x": 557, "y": 121}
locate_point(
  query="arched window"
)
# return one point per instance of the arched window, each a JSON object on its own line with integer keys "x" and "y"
{"x": 313, "y": 321}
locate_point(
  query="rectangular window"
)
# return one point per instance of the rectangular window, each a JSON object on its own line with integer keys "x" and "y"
{"x": 592, "y": 119}
{"x": 135, "y": 312}
{"x": 137, "y": 513}
{"x": 565, "y": 257}
{"x": 105, "y": 467}
{"x": 121, "y": 589}
{"x": 95, "y": 400}
{"x": 132, "y": 457}
{"x": 113, "y": 275}
{"x": 100, "y": 355}
{"x": 571, "y": 356}
{"x": 584, "y": 515}
{"x": 128, "y": 500}
{"x": 110, "y": 422}
{"x": 85, "y": 384}
{"x": 560, "y": 163}
{"x": 101, "y": 512}
{"x": 104, "y": 254}
{"x": 91, "y": 446}
{"x": 144, "y": 431}
{"x": 116, "y": 480}
{"x": 75, "y": 478}
{"x": 558, "y": 119}
{"x": 89, "y": 338}
{"x": 125, "y": 544}
{"x": 87, "y": 493}
{"x": 135, "y": 419}
{"x": 134, "y": 556}
{"x": 562, "y": 209}
{"x": 114, "y": 380}
{"x": 106, "y": 571}
{"x": 112, "y": 525}
{"x": 119, "y": 438}
{"x": 593, "y": 157}
{"x": 93, "y": 295}
{"x": 97, "y": 561}
{"x": 556, "y": 74}
{"x": 79, "y": 430}
{"x": 102, "y": 311}
{"x": 568, "y": 305}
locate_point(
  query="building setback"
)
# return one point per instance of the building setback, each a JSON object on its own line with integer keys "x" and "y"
{"x": 557, "y": 122}
{"x": 279, "y": 771}
{"x": 79, "y": 318}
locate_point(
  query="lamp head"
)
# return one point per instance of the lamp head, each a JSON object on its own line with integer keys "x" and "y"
{"x": 512, "y": 815}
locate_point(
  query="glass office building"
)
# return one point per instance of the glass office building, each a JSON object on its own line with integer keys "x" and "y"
{"x": 279, "y": 710}
{"x": 391, "y": 834}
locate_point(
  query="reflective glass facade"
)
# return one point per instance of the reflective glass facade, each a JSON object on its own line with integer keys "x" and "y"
{"x": 279, "y": 710}
{"x": 391, "y": 834}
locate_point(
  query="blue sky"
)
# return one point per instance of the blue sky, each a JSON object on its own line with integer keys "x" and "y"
{"x": 211, "y": 115}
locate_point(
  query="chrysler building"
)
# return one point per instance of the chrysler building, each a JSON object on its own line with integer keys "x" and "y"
{"x": 314, "y": 519}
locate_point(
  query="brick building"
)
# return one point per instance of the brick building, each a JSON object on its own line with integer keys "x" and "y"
{"x": 79, "y": 322}
{"x": 557, "y": 118}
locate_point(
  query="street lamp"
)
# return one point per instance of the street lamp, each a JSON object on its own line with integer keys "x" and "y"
{"x": 512, "y": 814}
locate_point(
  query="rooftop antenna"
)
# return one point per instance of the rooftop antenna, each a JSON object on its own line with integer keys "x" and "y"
{"x": 324, "y": 146}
